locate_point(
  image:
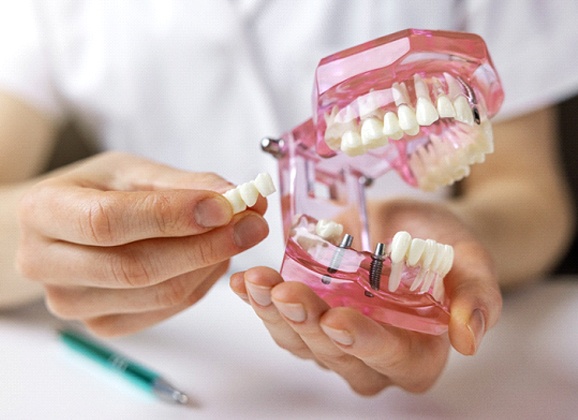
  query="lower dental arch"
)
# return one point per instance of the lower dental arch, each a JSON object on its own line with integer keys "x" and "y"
{"x": 418, "y": 102}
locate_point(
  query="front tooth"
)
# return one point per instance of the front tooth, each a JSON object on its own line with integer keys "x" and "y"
{"x": 249, "y": 193}
{"x": 428, "y": 253}
{"x": 328, "y": 229}
{"x": 454, "y": 87}
{"x": 425, "y": 112}
{"x": 407, "y": 121}
{"x": 421, "y": 89}
{"x": 391, "y": 126}
{"x": 399, "y": 247}
{"x": 351, "y": 144}
{"x": 415, "y": 251}
{"x": 264, "y": 184}
{"x": 463, "y": 110}
{"x": 372, "y": 133}
{"x": 445, "y": 107}
{"x": 234, "y": 197}
{"x": 448, "y": 260}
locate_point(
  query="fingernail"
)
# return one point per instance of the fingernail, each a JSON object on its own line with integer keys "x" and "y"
{"x": 260, "y": 294}
{"x": 477, "y": 326}
{"x": 250, "y": 230}
{"x": 292, "y": 311}
{"x": 339, "y": 336}
{"x": 212, "y": 212}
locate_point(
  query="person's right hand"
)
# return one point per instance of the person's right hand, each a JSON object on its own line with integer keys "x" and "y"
{"x": 121, "y": 243}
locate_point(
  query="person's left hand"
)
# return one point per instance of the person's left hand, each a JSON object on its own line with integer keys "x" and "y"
{"x": 371, "y": 356}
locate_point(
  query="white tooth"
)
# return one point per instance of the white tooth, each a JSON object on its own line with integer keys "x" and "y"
{"x": 395, "y": 276}
{"x": 463, "y": 110}
{"x": 428, "y": 253}
{"x": 264, "y": 184}
{"x": 234, "y": 197}
{"x": 454, "y": 87}
{"x": 391, "y": 126}
{"x": 249, "y": 193}
{"x": 415, "y": 251}
{"x": 421, "y": 89}
{"x": 425, "y": 112}
{"x": 428, "y": 280}
{"x": 445, "y": 107}
{"x": 399, "y": 246}
{"x": 418, "y": 279}
{"x": 351, "y": 144}
{"x": 372, "y": 133}
{"x": 346, "y": 115}
{"x": 438, "y": 291}
{"x": 399, "y": 93}
{"x": 448, "y": 260}
{"x": 439, "y": 259}
{"x": 328, "y": 229}
{"x": 367, "y": 104}
{"x": 407, "y": 121}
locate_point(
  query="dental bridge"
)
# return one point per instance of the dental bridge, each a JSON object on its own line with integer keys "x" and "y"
{"x": 417, "y": 102}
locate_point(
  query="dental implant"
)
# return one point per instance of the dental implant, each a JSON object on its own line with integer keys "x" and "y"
{"x": 376, "y": 266}
{"x": 346, "y": 243}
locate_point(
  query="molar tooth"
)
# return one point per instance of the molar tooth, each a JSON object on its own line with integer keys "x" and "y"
{"x": 328, "y": 229}
{"x": 425, "y": 112}
{"x": 234, "y": 197}
{"x": 249, "y": 193}
{"x": 391, "y": 126}
{"x": 372, "y": 133}
{"x": 351, "y": 143}
{"x": 445, "y": 107}
{"x": 463, "y": 110}
{"x": 264, "y": 184}
{"x": 407, "y": 120}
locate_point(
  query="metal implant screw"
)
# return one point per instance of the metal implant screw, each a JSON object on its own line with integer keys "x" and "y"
{"x": 337, "y": 257}
{"x": 376, "y": 266}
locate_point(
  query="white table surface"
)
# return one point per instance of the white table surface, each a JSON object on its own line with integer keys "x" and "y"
{"x": 220, "y": 353}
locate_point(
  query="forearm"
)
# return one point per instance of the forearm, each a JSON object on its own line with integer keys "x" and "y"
{"x": 525, "y": 227}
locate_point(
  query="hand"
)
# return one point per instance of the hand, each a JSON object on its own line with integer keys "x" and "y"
{"x": 368, "y": 355}
{"x": 122, "y": 243}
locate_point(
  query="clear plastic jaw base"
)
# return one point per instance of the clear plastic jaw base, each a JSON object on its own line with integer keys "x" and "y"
{"x": 343, "y": 277}
{"x": 416, "y": 102}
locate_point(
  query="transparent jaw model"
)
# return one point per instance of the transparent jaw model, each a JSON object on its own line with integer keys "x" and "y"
{"x": 416, "y": 102}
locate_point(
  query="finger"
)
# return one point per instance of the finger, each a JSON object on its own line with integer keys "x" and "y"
{"x": 85, "y": 302}
{"x": 259, "y": 282}
{"x": 109, "y": 218}
{"x": 407, "y": 359}
{"x": 302, "y": 309}
{"x": 124, "y": 324}
{"x": 476, "y": 301}
{"x": 139, "y": 264}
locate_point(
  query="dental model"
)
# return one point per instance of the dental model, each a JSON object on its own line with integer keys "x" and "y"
{"x": 246, "y": 195}
{"x": 416, "y": 102}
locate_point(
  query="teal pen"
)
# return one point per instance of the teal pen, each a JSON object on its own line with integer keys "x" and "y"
{"x": 138, "y": 374}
